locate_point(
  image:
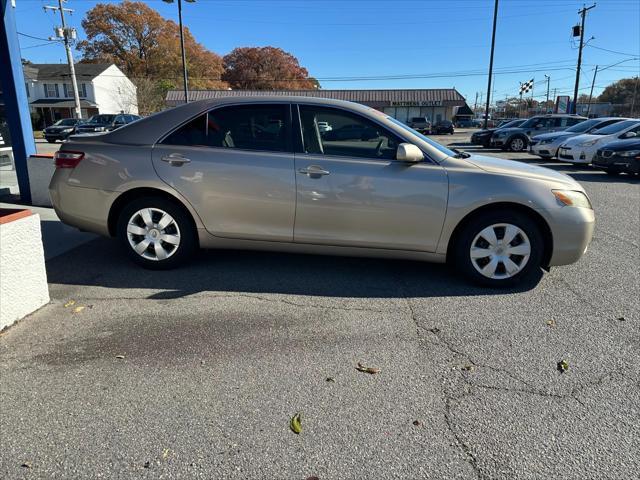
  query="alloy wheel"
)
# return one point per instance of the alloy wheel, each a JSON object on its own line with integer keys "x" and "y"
{"x": 153, "y": 234}
{"x": 500, "y": 251}
{"x": 517, "y": 144}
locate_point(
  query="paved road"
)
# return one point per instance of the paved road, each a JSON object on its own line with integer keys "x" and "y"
{"x": 219, "y": 356}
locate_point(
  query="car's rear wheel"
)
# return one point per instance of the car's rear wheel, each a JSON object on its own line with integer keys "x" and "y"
{"x": 499, "y": 248}
{"x": 517, "y": 144}
{"x": 156, "y": 233}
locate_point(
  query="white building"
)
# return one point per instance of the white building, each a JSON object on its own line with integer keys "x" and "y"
{"x": 103, "y": 88}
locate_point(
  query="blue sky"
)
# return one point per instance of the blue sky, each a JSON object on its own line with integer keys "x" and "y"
{"x": 441, "y": 44}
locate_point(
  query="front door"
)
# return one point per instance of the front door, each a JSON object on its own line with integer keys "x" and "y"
{"x": 352, "y": 192}
{"x": 234, "y": 164}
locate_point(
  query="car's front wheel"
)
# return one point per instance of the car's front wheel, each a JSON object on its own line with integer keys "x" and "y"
{"x": 517, "y": 144}
{"x": 499, "y": 248}
{"x": 156, "y": 233}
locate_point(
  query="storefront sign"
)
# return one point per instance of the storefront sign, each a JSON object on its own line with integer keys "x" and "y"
{"x": 424, "y": 103}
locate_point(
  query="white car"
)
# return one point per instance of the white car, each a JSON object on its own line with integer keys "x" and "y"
{"x": 324, "y": 127}
{"x": 582, "y": 149}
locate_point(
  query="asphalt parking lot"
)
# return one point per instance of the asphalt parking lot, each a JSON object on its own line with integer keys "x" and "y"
{"x": 195, "y": 373}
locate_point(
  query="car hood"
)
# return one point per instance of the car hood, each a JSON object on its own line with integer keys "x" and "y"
{"x": 520, "y": 169}
{"x": 510, "y": 130}
{"x": 486, "y": 131}
{"x": 545, "y": 136}
{"x": 57, "y": 128}
{"x": 585, "y": 137}
{"x": 620, "y": 145}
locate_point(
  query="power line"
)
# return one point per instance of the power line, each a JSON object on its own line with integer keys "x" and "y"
{"x": 614, "y": 51}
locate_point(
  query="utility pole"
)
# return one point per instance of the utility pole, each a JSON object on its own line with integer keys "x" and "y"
{"x": 546, "y": 105}
{"x": 66, "y": 33}
{"x": 493, "y": 44}
{"x": 593, "y": 82}
{"x": 184, "y": 56}
{"x": 475, "y": 104}
{"x": 583, "y": 14}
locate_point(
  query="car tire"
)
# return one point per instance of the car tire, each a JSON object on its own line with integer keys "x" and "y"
{"x": 169, "y": 243}
{"x": 614, "y": 172}
{"x": 517, "y": 144}
{"x": 492, "y": 270}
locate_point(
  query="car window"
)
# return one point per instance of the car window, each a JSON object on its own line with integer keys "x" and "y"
{"x": 584, "y": 126}
{"x": 248, "y": 127}
{"x": 615, "y": 128}
{"x": 571, "y": 121}
{"x": 350, "y": 136}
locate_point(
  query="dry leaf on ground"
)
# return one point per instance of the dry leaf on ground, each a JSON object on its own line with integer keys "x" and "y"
{"x": 371, "y": 370}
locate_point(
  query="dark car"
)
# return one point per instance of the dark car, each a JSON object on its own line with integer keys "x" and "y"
{"x": 60, "y": 130}
{"x": 619, "y": 157}
{"x": 468, "y": 123}
{"x": 517, "y": 139}
{"x": 442, "y": 127}
{"x": 483, "y": 137}
{"x": 351, "y": 132}
{"x": 106, "y": 122}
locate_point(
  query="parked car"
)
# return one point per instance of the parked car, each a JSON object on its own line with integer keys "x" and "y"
{"x": 442, "y": 127}
{"x": 547, "y": 144}
{"x": 582, "y": 149}
{"x": 204, "y": 175}
{"x": 468, "y": 123}
{"x": 483, "y": 137}
{"x": 517, "y": 139}
{"x": 622, "y": 156}
{"x": 324, "y": 127}
{"x": 420, "y": 124}
{"x": 105, "y": 123}
{"x": 350, "y": 132}
{"x": 503, "y": 122}
{"x": 60, "y": 130}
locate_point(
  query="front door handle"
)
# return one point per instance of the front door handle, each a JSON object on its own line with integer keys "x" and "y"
{"x": 314, "y": 171}
{"x": 176, "y": 160}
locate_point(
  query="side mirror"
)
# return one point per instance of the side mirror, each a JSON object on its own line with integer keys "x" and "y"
{"x": 408, "y": 152}
{"x": 629, "y": 135}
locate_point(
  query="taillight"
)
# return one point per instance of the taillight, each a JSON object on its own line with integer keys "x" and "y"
{"x": 67, "y": 159}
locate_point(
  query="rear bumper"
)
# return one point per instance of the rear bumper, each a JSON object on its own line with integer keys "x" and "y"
{"x": 83, "y": 208}
{"x": 572, "y": 230}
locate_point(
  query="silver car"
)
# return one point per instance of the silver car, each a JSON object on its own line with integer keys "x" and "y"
{"x": 255, "y": 173}
{"x": 547, "y": 144}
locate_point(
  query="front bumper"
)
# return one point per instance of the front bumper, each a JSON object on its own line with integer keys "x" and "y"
{"x": 498, "y": 142}
{"x": 571, "y": 230}
{"x": 56, "y": 135}
{"x": 616, "y": 162}
{"x": 547, "y": 150}
{"x": 574, "y": 155}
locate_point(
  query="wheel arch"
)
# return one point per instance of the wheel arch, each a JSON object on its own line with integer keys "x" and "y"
{"x": 545, "y": 230}
{"x": 139, "y": 192}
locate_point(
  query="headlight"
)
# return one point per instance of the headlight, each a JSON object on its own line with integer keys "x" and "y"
{"x": 98, "y": 129}
{"x": 630, "y": 153}
{"x": 500, "y": 134}
{"x": 572, "y": 198}
{"x": 547, "y": 140}
{"x": 65, "y": 130}
{"x": 588, "y": 143}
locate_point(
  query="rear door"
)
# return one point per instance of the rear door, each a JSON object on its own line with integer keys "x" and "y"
{"x": 352, "y": 191}
{"x": 234, "y": 164}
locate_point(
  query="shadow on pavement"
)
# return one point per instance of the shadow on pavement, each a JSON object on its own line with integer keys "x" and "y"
{"x": 101, "y": 263}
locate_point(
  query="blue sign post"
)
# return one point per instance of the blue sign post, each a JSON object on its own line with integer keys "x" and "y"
{"x": 15, "y": 98}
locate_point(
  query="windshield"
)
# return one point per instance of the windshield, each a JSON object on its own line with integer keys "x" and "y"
{"x": 531, "y": 122}
{"x": 512, "y": 124}
{"x": 435, "y": 145}
{"x": 65, "y": 122}
{"x": 584, "y": 126}
{"x": 615, "y": 127}
{"x": 101, "y": 119}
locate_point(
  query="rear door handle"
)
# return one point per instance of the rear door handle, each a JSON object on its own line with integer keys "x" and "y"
{"x": 314, "y": 171}
{"x": 176, "y": 160}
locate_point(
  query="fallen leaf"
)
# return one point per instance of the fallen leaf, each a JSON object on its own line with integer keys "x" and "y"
{"x": 79, "y": 309}
{"x": 416, "y": 423}
{"x": 120, "y": 356}
{"x": 165, "y": 453}
{"x": 371, "y": 370}
{"x": 69, "y": 303}
{"x": 434, "y": 330}
{"x": 467, "y": 368}
{"x": 331, "y": 379}
{"x": 551, "y": 323}
{"x": 621, "y": 319}
{"x": 146, "y": 465}
{"x": 295, "y": 423}
{"x": 563, "y": 366}
{"x": 26, "y": 465}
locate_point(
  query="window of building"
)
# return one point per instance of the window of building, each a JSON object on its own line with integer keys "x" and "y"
{"x": 68, "y": 90}
{"x": 51, "y": 90}
{"x": 331, "y": 131}
{"x": 249, "y": 127}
